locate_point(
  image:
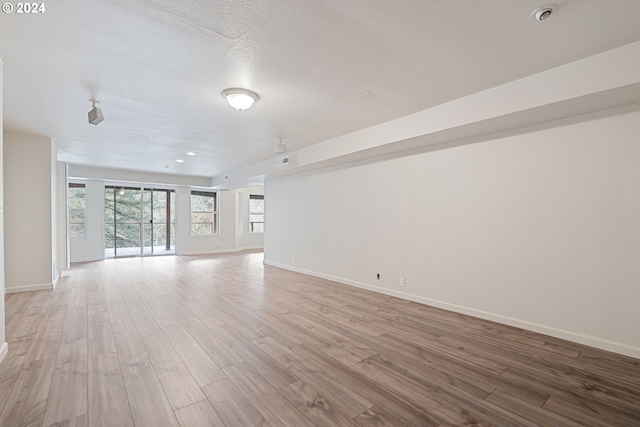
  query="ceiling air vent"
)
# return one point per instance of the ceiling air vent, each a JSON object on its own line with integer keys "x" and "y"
{"x": 283, "y": 161}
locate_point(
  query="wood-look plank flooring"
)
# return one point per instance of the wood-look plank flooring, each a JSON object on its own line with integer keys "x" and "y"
{"x": 225, "y": 341}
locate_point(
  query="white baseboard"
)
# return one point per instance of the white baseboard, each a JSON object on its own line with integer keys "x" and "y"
{"x": 250, "y": 248}
{"x": 220, "y": 251}
{"x": 207, "y": 252}
{"x": 3, "y": 351}
{"x": 75, "y": 261}
{"x": 29, "y": 288}
{"x": 534, "y": 327}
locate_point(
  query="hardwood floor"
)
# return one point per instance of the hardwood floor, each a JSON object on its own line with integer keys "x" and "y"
{"x": 225, "y": 341}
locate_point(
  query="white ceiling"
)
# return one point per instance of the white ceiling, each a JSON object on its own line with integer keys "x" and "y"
{"x": 322, "y": 69}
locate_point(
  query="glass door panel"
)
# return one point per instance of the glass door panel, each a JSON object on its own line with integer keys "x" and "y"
{"x": 122, "y": 221}
{"x": 128, "y": 217}
{"x": 147, "y": 222}
{"x": 109, "y": 240}
{"x": 127, "y": 239}
{"x": 147, "y": 244}
{"x": 163, "y": 221}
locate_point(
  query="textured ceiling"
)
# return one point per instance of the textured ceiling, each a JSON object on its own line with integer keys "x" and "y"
{"x": 322, "y": 69}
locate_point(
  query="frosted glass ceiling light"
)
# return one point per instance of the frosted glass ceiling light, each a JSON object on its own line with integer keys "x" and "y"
{"x": 240, "y": 99}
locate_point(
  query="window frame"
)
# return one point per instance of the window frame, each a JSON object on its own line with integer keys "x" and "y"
{"x": 82, "y": 185}
{"x": 215, "y": 228}
{"x": 250, "y": 213}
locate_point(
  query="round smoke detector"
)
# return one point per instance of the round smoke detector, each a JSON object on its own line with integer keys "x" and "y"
{"x": 543, "y": 12}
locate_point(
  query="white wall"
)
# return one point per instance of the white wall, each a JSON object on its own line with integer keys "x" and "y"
{"x": 62, "y": 250}
{"x": 131, "y": 176}
{"x": 223, "y": 241}
{"x": 58, "y": 234}
{"x": 3, "y": 342}
{"x": 538, "y": 230}
{"x": 91, "y": 247}
{"x": 29, "y": 216}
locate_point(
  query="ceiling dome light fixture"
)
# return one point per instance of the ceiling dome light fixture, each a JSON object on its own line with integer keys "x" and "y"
{"x": 240, "y": 99}
{"x": 543, "y": 12}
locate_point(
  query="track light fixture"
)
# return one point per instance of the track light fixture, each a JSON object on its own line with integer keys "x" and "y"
{"x": 280, "y": 147}
{"x": 95, "y": 115}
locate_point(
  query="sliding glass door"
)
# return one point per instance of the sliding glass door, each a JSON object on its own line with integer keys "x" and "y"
{"x": 122, "y": 221}
{"x": 138, "y": 221}
{"x": 158, "y": 227}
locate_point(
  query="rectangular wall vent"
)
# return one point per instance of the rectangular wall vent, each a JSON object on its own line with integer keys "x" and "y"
{"x": 283, "y": 161}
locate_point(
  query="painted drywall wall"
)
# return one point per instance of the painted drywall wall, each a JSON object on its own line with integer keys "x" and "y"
{"x": 193, "y": 245}
{"x": 538, "y": 230}
{"x": 29, "y": 212}
{"x": 3, "y": 341}
{"x": 62, "y": 251}
{"x": 125, "y": 175}
{"x": 53, "y": 183}
{"x": 91, "y": 247}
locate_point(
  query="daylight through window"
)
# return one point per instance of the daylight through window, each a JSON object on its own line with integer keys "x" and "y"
{"x": 203, "y": 212}
{"x": 256, "y": 213}
{"x": 77, "y": 203}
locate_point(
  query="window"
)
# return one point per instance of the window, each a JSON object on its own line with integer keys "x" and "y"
{"x": 256, "y": 213}
{"x": 77, "y": 203}
{"x": 203, "y": 213}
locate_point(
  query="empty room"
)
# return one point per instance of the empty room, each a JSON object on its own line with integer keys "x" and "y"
{"x": 281, "y": 213}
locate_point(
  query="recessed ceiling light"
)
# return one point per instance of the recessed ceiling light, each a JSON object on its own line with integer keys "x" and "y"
{"x": 190, "y": 153}
{"x": 179, "y": 160}
{"x": 543, "y": 12}
{"x": 240, "y": 99}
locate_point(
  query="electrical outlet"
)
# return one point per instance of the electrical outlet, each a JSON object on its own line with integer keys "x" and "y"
{"x": 402, "y": 281}
{"x": 293, "y": 260}
{"x": 378, "y": 276}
